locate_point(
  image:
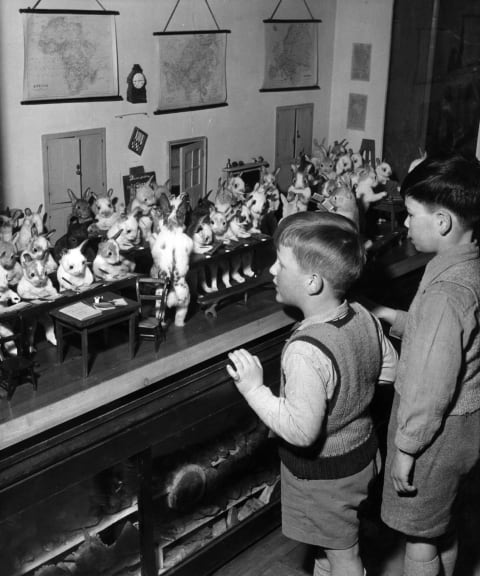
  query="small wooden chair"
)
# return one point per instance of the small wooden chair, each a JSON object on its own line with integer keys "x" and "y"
{"x": 152, "y": 299}
{"x": 15, "y": 370}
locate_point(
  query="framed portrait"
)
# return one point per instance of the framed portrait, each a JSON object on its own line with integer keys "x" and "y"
{"x": 357, "y": 111}
{"x": 361, "y": 59}
{"x": 69, "y": 55}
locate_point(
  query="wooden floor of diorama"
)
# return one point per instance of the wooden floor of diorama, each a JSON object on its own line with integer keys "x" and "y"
{"x": 381, "y": 548}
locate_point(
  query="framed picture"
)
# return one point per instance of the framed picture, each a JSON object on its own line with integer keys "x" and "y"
{"x": 191, "y": 70}
{"x": 361, "y": 58}
{"x": 137, "y": 142}
{"x": 291, "y": 55}
{"x": 357, "y": 111}
{"x": 69, "y": 55}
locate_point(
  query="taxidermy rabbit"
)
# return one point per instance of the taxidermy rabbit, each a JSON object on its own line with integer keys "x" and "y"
{"x": 36, "y": 285}
{"x": 237, "y": 186}
{"x": 76, "y": 234}
{"x": 171, "y": 249}
{"x": 108, "y": 263}
{"x": 126, "y": 230}
{"x": 8, "y": 223}
{"x": 298, "y": 193}
{"x": 39, "y": 247}
{"x": 202, "y": 235}
{"x": 383, "y": 171}
{"x": 364, "y": 190}
{"x": 9, "y": 264}
{"x": 257, "y": 204}
{"x": 24, "y": 235}
{"x": 81, "y": 209}
{"x": 145, "y": 198}
{"x": 38, "y": 219}
{"x": 104, "y": 210}
{"x": 73, "y": 272}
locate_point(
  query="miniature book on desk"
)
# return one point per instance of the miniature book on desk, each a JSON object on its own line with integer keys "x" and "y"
{"x": 80, "y": 311}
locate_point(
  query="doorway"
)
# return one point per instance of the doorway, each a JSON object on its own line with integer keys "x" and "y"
{"x": 73, "y": 161}
{"x": 293, "y": 137}
{"x": 187, "y": 167}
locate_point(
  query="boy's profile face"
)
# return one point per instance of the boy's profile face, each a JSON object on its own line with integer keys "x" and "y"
{"x": 288, "y": 277}
{"x": 421, "y": 222}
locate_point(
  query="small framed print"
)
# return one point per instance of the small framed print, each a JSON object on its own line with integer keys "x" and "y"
{"x": 361, "y": 58}
{"x": 137, "y": 141}
{"x": 357, "y": 111}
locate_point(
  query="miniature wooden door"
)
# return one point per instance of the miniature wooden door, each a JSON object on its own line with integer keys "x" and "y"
{"x": 294, "y": 131}
{"x": 75, "y": 161}
{"x": 191, "y": 171}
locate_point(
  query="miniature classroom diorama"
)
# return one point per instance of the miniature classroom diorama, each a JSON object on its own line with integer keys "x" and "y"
{"x": 176, "y": 257}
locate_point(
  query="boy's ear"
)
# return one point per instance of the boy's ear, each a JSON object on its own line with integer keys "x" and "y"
{"x": 444, "y": 222}
{"x": 314, "y": 284}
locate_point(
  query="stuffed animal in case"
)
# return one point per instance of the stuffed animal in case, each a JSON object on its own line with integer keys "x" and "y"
{"x": 73, "y": 272}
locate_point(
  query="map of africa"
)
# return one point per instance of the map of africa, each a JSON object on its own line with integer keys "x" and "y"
{"x": 291, "y": 55}
{"x": 192, "y": 69}
{"x": 69, "y": 56}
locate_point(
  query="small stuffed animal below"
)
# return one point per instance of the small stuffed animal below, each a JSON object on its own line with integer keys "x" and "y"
{"x": 73, "y": 272}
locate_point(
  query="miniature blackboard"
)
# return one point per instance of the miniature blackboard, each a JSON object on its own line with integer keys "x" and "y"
{"x": 132, "y": 180}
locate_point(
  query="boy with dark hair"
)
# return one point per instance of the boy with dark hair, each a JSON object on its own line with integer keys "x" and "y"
{"x": 329, "y": 369}
{"x": 434, "y": 430}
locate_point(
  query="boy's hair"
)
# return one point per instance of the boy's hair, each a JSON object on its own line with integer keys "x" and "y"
{"x": 324, "y": 242}
{"x": 452, "y": 182}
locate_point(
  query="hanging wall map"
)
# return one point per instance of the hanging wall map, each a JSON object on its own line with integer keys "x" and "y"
{"x": 69, "y": 56}
{"x": 290, "y": 55}
{"x": 192, "y": 70}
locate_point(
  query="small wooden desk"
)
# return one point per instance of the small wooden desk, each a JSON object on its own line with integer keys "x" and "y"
{"x": 107, "y": 318}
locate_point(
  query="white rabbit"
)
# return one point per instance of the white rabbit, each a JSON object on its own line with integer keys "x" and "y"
{"x": 39, "y": 247}
{"x": 104, "y": 210}
{"x": 73, "y": 272}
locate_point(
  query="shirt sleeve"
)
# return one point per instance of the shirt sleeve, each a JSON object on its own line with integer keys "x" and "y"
{"x": 388, "y": 370}
{"x": 431, "y": 367}
{"x": 398, "y": 327}
{"x": 298, "y": 416}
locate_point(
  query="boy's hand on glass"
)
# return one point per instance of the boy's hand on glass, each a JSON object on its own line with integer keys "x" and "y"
{"x": 247, "y": 371}
{"x": 402, "y": 472}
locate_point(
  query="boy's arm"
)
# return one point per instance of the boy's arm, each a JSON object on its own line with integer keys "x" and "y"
{"x": 298, "y": 416}
{"x": 431, "y": 365}
{"x": 388, "y": 370}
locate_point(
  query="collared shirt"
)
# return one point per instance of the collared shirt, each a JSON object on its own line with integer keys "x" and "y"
{"x": 440, "y": 346}
{"x": 310, "y": 381}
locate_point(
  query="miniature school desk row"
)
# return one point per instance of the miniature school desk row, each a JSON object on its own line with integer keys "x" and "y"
{"x": 103, "y": 235}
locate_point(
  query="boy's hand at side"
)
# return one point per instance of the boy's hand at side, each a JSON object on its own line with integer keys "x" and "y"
{"x": 247, "y": 371}
{"x": 402, "y": 472}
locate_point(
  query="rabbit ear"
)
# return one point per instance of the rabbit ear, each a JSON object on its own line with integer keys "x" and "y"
{"x": 71, "y": 195}
{"x": 117, "y": 234}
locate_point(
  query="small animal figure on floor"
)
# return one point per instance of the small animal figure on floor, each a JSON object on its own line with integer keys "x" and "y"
{"x": 73, "y": 272}
{"x": 11, "y": 269}
{"x": 109, "y": 264}
{"x": 81, "y": 209}
{"x": 36, "y": 285}
{"x": 40, "y": 248}
{"x": 105, "y": 210}
{"x": 8, "y": 297}
{"x": 8, "y": 223}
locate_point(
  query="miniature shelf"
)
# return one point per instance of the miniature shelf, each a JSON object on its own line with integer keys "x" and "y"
{"x": 245, "y": 167}
{"x": 76, "y": 539}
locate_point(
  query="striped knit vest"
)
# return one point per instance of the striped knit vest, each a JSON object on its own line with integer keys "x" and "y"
{"x": 348, "y": 442}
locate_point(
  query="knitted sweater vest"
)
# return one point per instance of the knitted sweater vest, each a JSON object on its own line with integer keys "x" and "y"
{"x": 347, "y": 443}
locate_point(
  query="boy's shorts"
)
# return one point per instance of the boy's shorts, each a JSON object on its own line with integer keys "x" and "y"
{"x": 438, "y": 475}
{"x": 324, "y": 512}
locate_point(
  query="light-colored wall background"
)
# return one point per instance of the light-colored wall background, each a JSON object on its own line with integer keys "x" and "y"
{"x": 243, "y": 129}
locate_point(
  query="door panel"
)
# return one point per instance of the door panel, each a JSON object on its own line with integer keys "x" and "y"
{"x": 303, "y": 130}
{"x": 63, "y": 158}
{"x": 191, "y": 171}
{"x": 92, "y": 163}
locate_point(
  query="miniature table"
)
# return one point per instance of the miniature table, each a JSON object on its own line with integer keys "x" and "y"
{"x": 106, "y": 318}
